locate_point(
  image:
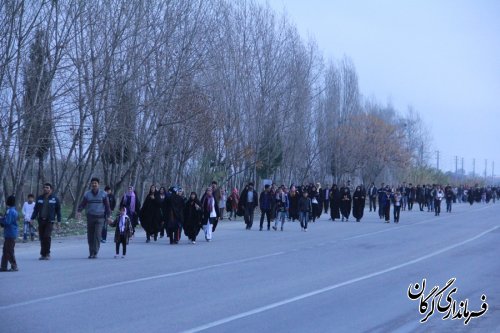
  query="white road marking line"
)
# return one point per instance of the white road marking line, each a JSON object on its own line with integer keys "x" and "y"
{"x": 332, "y": 287}
{"x": 117, "y": 284}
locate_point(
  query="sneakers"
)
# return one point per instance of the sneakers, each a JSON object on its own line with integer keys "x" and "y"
{"x": 44, "y": 258}
{"x": 103, "y": 241}
{"x": 274, "y": 228}
{"x": 193, "y": 242}
{"x": 123, "y": 256}
{"x": 116, "y": 256}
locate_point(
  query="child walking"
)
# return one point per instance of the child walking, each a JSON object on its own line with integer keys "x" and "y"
{"x": 28, "y": 228}
{"x": 282, "y": 208}
{"x": 9, "y": 223}
{"x": 123, "y": 231}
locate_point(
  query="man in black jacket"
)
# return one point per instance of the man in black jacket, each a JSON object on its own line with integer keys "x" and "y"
{"x": 47, "y": 210}
{"x": 249, "y": 200}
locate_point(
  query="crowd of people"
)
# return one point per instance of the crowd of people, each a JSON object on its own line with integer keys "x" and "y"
{"x": 170, "y": 212}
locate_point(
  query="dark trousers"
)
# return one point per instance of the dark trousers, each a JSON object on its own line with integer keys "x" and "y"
{"x": 94, "y": 230}
{"x": 381, "y": 210}
{"x": 410, "y": 203}
{"x": 163, "y": 229}
{"x": 448, "y": 206}
{"x": 373, "y": 203}
{"x": 45, "y": 235}
{"x": 123, "y": 242}
{"x": 397, "y": 210}
{"x": 8, "y": 253}
{"x": 387, "y": 212}
{"x": 249, "y": 210}
{"x": 326, "y": 205}
{"x": 154, "y": 234}
{"x": 266, "y": 213}
{"x": 437, "y": 207}
{"x": 174, "y": 234}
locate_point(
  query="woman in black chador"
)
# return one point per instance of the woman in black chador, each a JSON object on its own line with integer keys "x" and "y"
{"x": 192, "y": 217}
{"x": 358, "y": 204}
{"x": 345, "y": 203}
{"x": 175, "y": 215}
{"x": 293, "y": 200}
{"x": 335, "y": 202}
{"x": 150, "y": 214}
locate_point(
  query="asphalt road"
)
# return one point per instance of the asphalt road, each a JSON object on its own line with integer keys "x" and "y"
{"x": 337, "y": 277}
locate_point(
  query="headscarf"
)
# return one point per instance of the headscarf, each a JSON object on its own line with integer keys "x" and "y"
{"x": 209, "y": 202}
{"x": 131, "y": 194}
{"x": 123, "y": 220}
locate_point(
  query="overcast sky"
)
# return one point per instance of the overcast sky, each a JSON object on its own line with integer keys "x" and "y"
{"x": 442, "y": 57}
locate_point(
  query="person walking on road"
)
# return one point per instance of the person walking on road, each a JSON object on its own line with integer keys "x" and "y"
{"x": 123, "y": 231}
{"x": 28, "y": 228}
{"x": 10, "y": 230}
{"x": 305, "y": 209}
{"x": 47, "y": 210}
{"x": 266, "y": 205}
{"x": 210, "y": 213}
{"x": 372, "y": 195}
{"x": 248, "y": 201}
{"x": 345, "y": 205}
{"x": 335, "y": 201}
{"x": 282, "y": 208}
{"x": 112, "y": 205}
{"x": 438, "y": 197}
{"x": 192, "y": 217}
{"x": 397, "y": 200}
{"x": 96, "y": 204}
{"x": 358, "y": 203}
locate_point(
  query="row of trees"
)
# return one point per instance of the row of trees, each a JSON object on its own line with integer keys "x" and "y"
{"x": 144, "y": 91}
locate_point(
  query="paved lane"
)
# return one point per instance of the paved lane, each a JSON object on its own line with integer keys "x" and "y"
{"x": 337, "y": 277}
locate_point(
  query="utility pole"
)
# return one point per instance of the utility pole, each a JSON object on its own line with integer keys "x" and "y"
{"x": 456, "y": 165}
{"x": 463, "y": 171}
{"x": 473, "y": 167}
{"x": 485, "y": 167}
{"x": 492, "y": 169}
{"x": 437, "y": 160}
